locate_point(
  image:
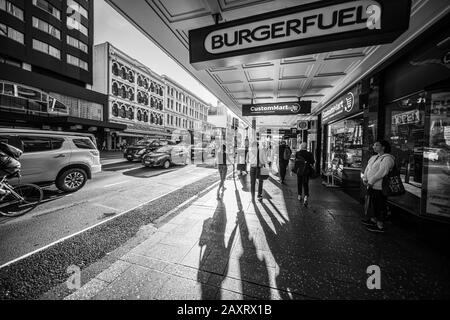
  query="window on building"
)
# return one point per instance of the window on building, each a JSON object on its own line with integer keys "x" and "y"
{"x": 79, "y": 45}
{"x": 77, "y": 62}
{"x": 76, "y": 7}
{"x": 115, "y": 110}
{"x": 47, "y": 7}
{"x": 11, "y": 33}
{"x": 46, "y": 48}
{"x": 11, "y": 9}
{"x": 74, "y": 24}
{"x": 46, "y": 27}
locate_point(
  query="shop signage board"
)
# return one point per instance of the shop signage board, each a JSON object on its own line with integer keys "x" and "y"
{"x": 277, "y": 109}
{"x": 345, "y": 106}
{"x": 302, "y": 125}
{"x": 321, "y": 26}
{"x": 408, "y": 117}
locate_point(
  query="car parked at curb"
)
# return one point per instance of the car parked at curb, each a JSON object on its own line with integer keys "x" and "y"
{"x": 166, "y": 156}
{"x": 137, "y": 151}
{"x": 66, "y": 159}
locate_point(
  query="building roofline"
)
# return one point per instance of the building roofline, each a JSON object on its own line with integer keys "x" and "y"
{"x": 136, "y": 62}
{"x": 166, "y": 77}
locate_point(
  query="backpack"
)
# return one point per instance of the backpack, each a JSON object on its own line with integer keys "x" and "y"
{"x": 287, "y": 153}
{"x": 301, "y": 165}
{"x": 10, "y": 151}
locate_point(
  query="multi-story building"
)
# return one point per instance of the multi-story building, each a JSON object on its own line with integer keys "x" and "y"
{"x": 186, "y": 114}
{"x": 46, "y": 67}
{"x": 135, "y": 96}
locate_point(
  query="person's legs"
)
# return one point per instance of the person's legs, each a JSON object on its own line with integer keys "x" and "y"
{"x": 306, "y": 185}
{"x": 299, "y": 186}
{"x": 282, "y": 170}
{"x": 379, "y": 206}
{"x": 252, "y": 181}
{"x": 260, "y": 188}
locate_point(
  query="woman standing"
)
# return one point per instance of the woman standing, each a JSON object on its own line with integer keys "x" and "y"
{"x": 223, "y": 160}
{"x": 377, "y": 168}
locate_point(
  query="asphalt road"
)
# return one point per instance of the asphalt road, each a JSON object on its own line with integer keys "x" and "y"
{"x": 120, "y": 187}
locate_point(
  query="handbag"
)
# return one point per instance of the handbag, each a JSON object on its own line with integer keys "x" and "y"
{"x": 392, "y": 184}
{"x": 263, "y": 173}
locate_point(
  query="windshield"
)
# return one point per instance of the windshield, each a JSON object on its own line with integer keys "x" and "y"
{"x": 144, "y": 142}
{"x": 164, "y": 149}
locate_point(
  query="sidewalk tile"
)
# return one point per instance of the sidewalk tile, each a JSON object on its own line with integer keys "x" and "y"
{"x": 88, "y": 291}
{"x": 135, "y": 284}
{"x": 115, "y": 270}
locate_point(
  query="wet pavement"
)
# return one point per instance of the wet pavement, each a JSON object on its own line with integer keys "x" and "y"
{"x": 234, "y": 248}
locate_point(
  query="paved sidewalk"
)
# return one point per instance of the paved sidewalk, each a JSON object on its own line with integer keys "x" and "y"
{"x": 277, "y": 249}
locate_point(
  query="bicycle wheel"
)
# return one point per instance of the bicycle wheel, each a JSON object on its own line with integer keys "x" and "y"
{"x": 12, "y": 206}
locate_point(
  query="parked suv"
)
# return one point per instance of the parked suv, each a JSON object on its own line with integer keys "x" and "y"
{"x": 64, "y": 158}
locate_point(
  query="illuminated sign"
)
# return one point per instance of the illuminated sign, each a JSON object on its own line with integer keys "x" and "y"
{"x": 343, "y": 106}
{"x": 408, "y": 117}
{"x": 276, "y": 109}
{"x": 315, "y": 27}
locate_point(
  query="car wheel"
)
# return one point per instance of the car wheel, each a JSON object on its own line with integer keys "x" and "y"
{"x": 71, "y": 180}
{"x": 166, "y": 164}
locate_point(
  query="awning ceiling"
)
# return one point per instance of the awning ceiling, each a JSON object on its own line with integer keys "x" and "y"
{"x": 318, "y": 77}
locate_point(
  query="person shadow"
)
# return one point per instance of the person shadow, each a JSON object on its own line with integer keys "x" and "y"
{"x": 252, "y": 268}
{"x": 214, "y": 253}
{"x": 279, "y": 245}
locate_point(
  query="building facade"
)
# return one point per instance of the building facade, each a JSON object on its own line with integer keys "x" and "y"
{"x": 186, "y": 115}
{"x": 46, "y": 67}
{"x": 135, "y": 96}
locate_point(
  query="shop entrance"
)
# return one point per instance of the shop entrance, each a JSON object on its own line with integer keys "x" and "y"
{"x": 344, "y": 151}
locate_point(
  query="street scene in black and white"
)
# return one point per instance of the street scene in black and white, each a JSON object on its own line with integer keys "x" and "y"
{"x": 224, "y": 150}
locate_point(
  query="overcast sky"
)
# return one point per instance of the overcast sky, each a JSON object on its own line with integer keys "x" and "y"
{"x": 112, "y": 27}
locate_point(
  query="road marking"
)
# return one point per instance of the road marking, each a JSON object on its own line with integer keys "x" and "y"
{"x": 86, "y": 229}
{"x": 115, "y": 184}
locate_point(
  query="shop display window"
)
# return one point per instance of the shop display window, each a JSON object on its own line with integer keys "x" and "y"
{"x": 437, "y": 156}
{"x": 405, "y": 131}
{"x": 345, "y": 146}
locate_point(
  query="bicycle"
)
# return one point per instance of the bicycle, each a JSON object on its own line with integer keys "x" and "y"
{"x": 20, "y": 199}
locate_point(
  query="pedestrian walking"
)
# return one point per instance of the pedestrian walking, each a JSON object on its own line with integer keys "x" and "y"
{"x": 304, "y": 160}
{"x": 242, "y": 160}
{"x": 284, "y": 155}
{"x": 378, "y": 167}
{"x": 223, "y": 160}
{"x": 257, "y": 160}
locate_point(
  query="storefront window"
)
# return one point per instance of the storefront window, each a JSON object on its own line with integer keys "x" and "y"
{"x": 345, "y": 146}
{"x": 437, "y": 156}
{"x": 405, "y": 130}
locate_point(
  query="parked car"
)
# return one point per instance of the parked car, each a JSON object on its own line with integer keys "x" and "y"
{"x": 65, "y": 159}
{"x": 166, "y": 156}
{"x": 137, "y": 151}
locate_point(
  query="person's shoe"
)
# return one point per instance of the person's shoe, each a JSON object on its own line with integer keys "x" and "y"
{"x": 368, "y": 222}
{"x": 375, "y": 228}
{"x": 305, "y": 201}
{"x": 299, "y": 198}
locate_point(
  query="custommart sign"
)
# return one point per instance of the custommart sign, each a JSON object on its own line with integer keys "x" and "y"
{"x": 317, "y": 27}
{"x": 278, "y": 109}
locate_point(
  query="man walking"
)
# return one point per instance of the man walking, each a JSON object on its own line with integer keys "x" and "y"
{"x": 284, "y": 154}
{"x": 257, "y": 159}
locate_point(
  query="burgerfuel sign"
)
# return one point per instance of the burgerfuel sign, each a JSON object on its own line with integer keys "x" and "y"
{"x": 317, "y": 27}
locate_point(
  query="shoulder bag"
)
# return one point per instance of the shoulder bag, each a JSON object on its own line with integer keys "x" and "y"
{"x": 392, "y": 184}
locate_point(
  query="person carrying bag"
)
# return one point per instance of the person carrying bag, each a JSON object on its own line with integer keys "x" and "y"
{"x": 379, "y": 169}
